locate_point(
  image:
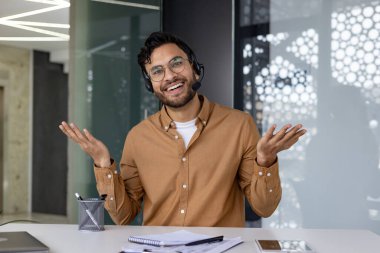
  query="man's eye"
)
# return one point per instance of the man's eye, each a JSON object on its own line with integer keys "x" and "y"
{"x": 156, "y": 72}
{"x": 177, "y": 63}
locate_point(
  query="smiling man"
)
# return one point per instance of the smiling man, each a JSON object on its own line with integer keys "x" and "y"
{"x": 193, "y": 162}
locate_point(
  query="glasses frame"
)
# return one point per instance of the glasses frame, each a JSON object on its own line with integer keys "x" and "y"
{"x": 169, "y": 66}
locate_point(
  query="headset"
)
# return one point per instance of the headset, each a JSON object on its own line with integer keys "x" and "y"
{"x": 198, "y": 68}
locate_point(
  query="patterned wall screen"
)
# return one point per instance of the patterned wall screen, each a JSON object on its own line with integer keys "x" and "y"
{"x": 317, "y": 63}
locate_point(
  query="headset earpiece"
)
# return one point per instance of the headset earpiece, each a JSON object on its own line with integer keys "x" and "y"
{"x": 196, "y": 65}
{"x": 147, "y": 82}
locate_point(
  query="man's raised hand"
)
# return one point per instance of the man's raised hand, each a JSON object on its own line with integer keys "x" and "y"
{"x": 88, "y": 143}
{"x": 271, "y": 144}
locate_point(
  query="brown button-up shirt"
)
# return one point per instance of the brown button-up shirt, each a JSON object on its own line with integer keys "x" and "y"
{"x": 202, "y": 185}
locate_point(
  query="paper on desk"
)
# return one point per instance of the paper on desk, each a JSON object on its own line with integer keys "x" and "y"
{"x": 179, "y": 237}
{"x": 214, "y": 247}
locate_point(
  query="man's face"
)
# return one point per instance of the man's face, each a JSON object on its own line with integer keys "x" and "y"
{"x": 175, "y": 89}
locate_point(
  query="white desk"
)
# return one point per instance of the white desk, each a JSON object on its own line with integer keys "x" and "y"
{"x": 67, "y": 238}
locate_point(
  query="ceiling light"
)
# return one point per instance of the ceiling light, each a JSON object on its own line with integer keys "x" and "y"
{"x": 31, "y": 26}
{"x": 46, "y": 1}
{"x": 33, "y": 29}
{"x": 29, "y": 23}
{"x": 144, "y": 6}
{"x": 35, "y": 12}
{"x": 31, "y": 39}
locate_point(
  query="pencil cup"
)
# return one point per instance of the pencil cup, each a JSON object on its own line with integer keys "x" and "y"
{"x": 91, "y": 214}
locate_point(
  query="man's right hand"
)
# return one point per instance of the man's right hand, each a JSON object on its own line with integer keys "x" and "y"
{"x": 88, "y": 143}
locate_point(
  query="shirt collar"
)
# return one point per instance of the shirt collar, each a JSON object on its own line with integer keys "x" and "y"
{"x": 203, "y": 116}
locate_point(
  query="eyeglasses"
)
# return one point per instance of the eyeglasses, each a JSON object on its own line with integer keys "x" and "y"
{"x": 176, "y": 65}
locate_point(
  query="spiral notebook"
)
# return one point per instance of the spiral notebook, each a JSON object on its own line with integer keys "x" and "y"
{"x": 180, "y": 237}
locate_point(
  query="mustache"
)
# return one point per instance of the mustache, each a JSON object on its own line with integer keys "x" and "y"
{"x": 170, "y": 82}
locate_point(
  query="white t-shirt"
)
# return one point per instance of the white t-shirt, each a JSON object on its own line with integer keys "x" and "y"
{"x": 186, "y": 130}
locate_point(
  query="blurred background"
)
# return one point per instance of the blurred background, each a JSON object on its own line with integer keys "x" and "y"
{"x": 312, "y": 62}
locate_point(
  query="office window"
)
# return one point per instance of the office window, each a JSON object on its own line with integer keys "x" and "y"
{"x": 316, "y": 63}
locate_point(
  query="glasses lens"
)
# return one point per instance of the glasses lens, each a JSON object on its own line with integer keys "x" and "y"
{"x": 157, "y": 73}
{"x": 176, "y": 65}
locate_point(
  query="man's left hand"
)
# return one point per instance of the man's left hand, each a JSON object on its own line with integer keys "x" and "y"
{"x": 270, "y": 144}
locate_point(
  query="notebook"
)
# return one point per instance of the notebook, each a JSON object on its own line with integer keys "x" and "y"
{"x": 21, "y": 241}
{"x": 180, "y": 237}
{"x": 214, "y": 247}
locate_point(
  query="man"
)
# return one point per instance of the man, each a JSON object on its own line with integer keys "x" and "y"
{"x": 192, "y": 162}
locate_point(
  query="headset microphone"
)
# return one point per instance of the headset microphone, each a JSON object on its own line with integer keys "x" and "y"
{"x": 196, "y": 86}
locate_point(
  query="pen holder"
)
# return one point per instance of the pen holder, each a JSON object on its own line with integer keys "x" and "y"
{"x": 91, "y": 214}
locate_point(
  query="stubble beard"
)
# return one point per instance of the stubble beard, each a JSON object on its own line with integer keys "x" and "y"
{"x": 176, "y": 103}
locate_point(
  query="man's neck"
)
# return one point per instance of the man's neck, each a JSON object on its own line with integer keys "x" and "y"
{"x": 186, "y": 112}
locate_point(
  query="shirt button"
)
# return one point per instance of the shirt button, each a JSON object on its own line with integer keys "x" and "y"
{"x": 166, "y": 127}
{"x": 109, "y": 176}
{"x": 268, "y": 174}
{"x": 204, "y": 122}
{"x": 260, "y": 173}
{"x": 184, "y": 186}
{"x": 115, "y": 171}
{"x": 111, "y": 198}
{"x": 182, "y": 211}
{"x": 270, "y": 190}
{"x": 176, "y": 136}
{"x": 183, "y": 159}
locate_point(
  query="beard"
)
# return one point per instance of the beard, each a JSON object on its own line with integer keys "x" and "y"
{"x": 176, "y": 102}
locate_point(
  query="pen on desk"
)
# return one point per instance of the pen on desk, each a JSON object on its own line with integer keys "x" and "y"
{"x": 87, "y": 210}
{"x": 208, "y": 240}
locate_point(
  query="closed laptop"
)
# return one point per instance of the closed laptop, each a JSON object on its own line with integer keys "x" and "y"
{"x": 22, "y": 242}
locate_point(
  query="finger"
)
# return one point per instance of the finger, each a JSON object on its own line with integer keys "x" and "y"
{"x": 89, "y": 136}
{"x": 288, "y": 142}
{"x": 296, "y": 137}
{"x": 64, "y": 126}
{"x": 63, "y": 130}
{"x": 268, "y": 135}
{"x": 301, "y": 132}
{"x": 291, "y": 133}
{"x": 280, "y": 134}
{"x": 68, "y": 131}
{"x": 78, "y": 133}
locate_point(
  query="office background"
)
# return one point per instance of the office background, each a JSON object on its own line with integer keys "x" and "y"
{"x": 315, "y": 62}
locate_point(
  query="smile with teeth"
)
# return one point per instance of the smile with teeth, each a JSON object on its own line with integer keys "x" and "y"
{"x": 174, "y": 87}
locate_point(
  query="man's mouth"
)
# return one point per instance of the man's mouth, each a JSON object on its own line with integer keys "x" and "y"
{"x": 176, "y": 86}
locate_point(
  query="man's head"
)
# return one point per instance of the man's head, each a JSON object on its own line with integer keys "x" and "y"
{"x": 170, "y": 68}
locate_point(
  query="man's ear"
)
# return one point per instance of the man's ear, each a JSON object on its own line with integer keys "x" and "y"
{"x": 197, "y": 77}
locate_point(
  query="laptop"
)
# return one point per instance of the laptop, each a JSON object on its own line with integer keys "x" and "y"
{"x": 21, "y": 242}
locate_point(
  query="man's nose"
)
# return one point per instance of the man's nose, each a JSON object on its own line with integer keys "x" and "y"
{"x": 169, "y": 74}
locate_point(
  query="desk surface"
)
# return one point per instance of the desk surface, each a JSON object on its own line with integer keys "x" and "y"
{"x": 67, "y": 238}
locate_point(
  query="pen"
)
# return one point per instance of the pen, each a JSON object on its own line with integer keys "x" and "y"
{"x": 87, "y": 210}
{"x": 208, "y": 240}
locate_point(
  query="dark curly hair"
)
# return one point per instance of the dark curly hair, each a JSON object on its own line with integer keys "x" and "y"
{"x": 158, "y": 39}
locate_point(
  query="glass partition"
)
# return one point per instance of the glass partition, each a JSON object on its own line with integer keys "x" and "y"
{"x": 317, "y": 63}
{"x": 107, "y": 91}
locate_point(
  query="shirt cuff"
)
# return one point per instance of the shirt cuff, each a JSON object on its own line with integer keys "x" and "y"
{"x": 102, "y": 174}
{"x": 270, "y": 174}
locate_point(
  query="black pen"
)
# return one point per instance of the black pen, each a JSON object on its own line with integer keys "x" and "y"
{"x": 208, "y": 240}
